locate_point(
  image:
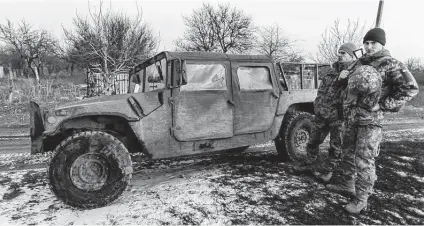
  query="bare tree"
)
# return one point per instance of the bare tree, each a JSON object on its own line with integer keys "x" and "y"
{"x": 110, "y": 42}
{"x": 335, "y": 36}
{"x": 222, "y": 29}
{"x": 32, "y": 45}
{"x": 199, "y": 35}
{"x": 414, "y": 64}
{"x": 272, "y": 42}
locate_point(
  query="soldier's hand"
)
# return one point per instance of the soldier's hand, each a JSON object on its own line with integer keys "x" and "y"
{"x": 375, "y": 108}
{"x": 343, "y": 74}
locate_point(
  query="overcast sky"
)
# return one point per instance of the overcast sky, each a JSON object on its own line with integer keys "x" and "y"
{"x": 303, "y": 20}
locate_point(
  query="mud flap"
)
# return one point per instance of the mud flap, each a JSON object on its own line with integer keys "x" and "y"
{"x": 37, "y": 127}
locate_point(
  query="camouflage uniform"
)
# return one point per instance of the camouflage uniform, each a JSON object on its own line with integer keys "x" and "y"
{"x": 384, "y": 85}
{"x": 328, "y": 118}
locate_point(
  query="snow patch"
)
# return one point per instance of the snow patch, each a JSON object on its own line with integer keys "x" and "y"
{"x": 417, "y": 211}
{"x": 406, "y": 158}
{"x": 418, "y": 178}
{"x": 397, "y": 215}
{"x": 401, "y": 164}
{"x": 402, "y": 174}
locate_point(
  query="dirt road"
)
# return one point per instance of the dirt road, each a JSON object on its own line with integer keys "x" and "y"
{"x": 228, "y": 188}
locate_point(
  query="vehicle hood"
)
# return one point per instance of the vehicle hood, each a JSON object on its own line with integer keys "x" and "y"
{"x": 131, "y": 106}
{"x": 94, "y": 101}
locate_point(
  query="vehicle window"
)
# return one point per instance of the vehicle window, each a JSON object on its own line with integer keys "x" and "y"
{"x": 205, "y": 77}
{"x": 309, "y": 72}
{"x": 155, "y": 75}
{"x": 292, "y": 75}
{"x": 136, "y": 82}
{"x": 323, "y": 70}
{"x": 254, "y": 78}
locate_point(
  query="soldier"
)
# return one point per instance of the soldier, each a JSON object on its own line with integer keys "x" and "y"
{"x": 363, "y": 105}
{"x": 328, "y": 117}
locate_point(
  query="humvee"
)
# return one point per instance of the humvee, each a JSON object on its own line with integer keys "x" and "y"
{"x": 178, "y": 103}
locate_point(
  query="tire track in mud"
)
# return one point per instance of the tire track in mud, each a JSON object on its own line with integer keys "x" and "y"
{"x": 253, "y": 187}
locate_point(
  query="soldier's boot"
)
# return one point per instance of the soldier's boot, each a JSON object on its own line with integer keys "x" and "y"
{"x": 308, "y": 164}
{"x": 358, "y": 204}
{"x": 324, "y": 177}
{"x": 346, "y": 188}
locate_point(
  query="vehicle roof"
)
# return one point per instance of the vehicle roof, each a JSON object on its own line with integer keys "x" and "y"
{"x": 216, "y": 56}
{"x": 207, "y": 56}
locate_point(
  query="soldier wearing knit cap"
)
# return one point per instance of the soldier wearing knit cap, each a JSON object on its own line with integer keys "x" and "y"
{"x": 349, "y": 48}
{"x": 378, "y": 83}
{"x": 328, "y": 118}
{"x": 377, "y": 35}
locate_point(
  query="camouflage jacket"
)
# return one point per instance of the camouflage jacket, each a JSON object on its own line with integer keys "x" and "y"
{"x": 363, "y": 92}
{"x": 328, "y": 104}
{"x": 398, "y": 86}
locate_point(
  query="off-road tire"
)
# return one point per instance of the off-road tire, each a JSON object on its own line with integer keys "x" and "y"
{"x": 115, "y": 165}
{"x": 285, "y": 143}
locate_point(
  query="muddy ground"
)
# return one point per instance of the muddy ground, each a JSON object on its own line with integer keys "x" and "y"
{"x": 252, "y": 187}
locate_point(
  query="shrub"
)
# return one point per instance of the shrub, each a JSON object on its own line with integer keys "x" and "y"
{"x": 49, "y": 92}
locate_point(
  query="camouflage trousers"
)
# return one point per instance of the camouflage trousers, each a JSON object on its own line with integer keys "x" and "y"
{"x": 320, "y": 130}
{"x": 361, "y": 145}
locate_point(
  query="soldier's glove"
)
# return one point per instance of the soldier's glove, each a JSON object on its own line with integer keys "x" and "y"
{"x": 343, "y": 74}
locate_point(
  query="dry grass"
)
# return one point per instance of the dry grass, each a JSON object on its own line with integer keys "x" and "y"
{"x": 48, "y": 92}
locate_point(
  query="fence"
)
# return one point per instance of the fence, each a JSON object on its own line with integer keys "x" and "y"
{"x": 303, "y": 75}
{"x": 99, "y": 84}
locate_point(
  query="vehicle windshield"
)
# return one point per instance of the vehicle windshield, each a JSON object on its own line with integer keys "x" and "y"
{"x": 149, "y": 78}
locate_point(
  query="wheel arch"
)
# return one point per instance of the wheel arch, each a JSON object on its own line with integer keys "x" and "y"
{"x": 116, "y": 125}
{"x": 304, "y": 106}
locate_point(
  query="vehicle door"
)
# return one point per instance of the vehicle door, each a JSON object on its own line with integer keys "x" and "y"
{"x": 256, "y": 95}
{"x": 202, "y": 109}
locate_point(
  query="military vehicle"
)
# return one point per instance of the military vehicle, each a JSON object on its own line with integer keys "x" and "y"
{"x": 178, "y": 103}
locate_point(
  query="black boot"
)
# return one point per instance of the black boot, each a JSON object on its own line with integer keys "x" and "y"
{"x": 306, "y": 166}
{"x": 358, "y": 204}
{"x": 324, "y": 177}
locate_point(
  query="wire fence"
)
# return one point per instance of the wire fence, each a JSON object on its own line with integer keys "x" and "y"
{"x": 99, "y": 84}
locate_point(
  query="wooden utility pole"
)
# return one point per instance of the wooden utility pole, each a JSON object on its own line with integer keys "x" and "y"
{"x": 379, "y": 13}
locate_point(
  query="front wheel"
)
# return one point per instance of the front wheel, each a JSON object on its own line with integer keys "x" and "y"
{"x": 90, "y": 169}
{"x": 293, "y": 137}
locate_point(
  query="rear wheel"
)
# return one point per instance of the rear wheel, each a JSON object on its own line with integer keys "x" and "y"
{"x": 90, "y": 169}
{"x": 293, "y": 138}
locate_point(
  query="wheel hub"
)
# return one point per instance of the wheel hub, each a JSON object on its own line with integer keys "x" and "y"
{"x": 89, "y": 172}
{"x": 301, "y": 140}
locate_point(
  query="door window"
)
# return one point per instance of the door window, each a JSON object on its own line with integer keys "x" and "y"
{"x": 156, "y": 75}
{"x": 254, "y": 78}
{"x": 205, "y": 77}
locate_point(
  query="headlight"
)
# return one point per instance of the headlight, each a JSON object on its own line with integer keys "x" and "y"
{"x": 51, "y": 119}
